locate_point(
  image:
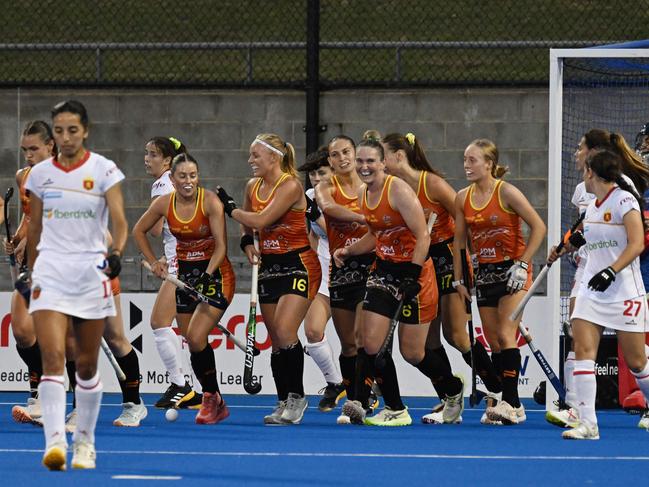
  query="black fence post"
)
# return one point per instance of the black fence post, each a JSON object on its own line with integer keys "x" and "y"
{"x": 312, "y": 75}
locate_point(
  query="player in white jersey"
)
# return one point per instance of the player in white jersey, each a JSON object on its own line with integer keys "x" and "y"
{"x": 611, "y": 293}
{"x": 72, "y": 195}
{"x": 158, "y": 154}
{"x": 317, "y": 347}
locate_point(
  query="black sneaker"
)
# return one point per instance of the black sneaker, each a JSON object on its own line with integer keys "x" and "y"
{"x": 174, "y": 396}
{"x": 193, "y": 403}
{"x": 332, "y": 394}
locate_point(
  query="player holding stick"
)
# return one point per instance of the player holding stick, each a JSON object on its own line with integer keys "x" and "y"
{"x": 492, "y": 211}
{"x": 289, "y": 272}
{"x": 405, "y": 158}
{"x": 195, "y": 217}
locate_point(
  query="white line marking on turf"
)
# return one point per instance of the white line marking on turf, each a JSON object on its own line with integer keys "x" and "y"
{"x": 424, "y": 456}
{"x": 146, "y": 477}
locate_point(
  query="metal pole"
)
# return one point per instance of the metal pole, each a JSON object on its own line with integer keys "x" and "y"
{"x": 312, "y": 75}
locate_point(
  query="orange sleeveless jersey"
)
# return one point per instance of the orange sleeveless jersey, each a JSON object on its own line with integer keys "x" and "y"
{"x": 194, "y": 239}
{"x": 496, "y": 232}
{"x": 24, "y": 194}
{"x": 394, "y": 240}
{"x": 340, "y": 233}
{"x": 444, "y": 227}
{"x": 287, "y": 234}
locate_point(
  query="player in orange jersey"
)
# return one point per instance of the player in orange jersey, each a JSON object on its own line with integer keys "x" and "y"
{"x": 492, "y": 210}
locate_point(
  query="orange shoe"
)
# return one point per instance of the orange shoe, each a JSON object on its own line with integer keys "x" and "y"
{"x": 634, "y": 403}
{"x": 213, "y": 409}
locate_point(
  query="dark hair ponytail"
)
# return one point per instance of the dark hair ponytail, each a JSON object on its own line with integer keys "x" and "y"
{"x": 415, "y": 154}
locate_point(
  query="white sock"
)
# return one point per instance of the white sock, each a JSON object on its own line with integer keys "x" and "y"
{"x": 187, "y": 365}
{"x": 642, "y": 378}
{"x": 51, "y": 392}
{"x": 166, "y": 341}
{"x": 586, "y": 390}
{"x": 323, "y": 355}
{"x": 89, "y": 394}
{"x": 568, "y": 368}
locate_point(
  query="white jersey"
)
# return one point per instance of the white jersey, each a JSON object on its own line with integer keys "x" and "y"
{"x": 606, "y": 239}
{"x": 75, "y": 214}
{"x": 162, "y": 186}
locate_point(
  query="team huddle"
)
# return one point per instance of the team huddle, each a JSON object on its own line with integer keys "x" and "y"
{"x": 381, "y": 244}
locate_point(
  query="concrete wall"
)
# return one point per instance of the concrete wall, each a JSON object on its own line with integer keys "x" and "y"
{"x": 218, "y": 127}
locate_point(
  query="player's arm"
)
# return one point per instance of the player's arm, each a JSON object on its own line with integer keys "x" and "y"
{"x": 403, "y": 199}
{"x": 21, "y": 231}
{"x": 287, "y": 196}
{"x": 2, "y": 210}
{"x": 635, "y": 240}
{"x": 329, "y": 207}
{"x": 156, "y": 230}
{"x": 441, "y": 191}
{"x": 216, "y": 216}
{"x": 119, "y": 230}
{"x": 460, "y": 240}
{"x": 514, "y": 199}
{"x": 151, "y": 216}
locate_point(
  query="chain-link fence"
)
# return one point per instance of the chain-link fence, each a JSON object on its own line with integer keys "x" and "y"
{"x": 264, "y": 43}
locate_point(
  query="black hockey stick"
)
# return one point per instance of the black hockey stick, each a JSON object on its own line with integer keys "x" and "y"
{"x": 476, "y": 394}
{"x": 12, "y": 256}
{"x": 250, "y": 383}
{"x": 379, "y": 361}
{"x": 543, "y": 363}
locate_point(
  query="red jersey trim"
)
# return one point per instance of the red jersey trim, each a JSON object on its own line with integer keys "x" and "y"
{"x": 74, "y": 166}
{"x": 599, "y": 203}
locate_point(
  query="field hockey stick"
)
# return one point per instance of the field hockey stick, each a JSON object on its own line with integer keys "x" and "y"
{"x": 113, "y": 361}
{"x": 379, "y": 361}
{"x": 12, "y": 256}
{"x": 250, "y": 382}
{"x": 546, "y": 268}
{"x": 476, "y": 394}
{"x": 543, "y": 363}
{"x": 205, "y": 299}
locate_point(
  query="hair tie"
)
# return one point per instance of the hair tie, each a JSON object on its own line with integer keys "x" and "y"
{"x": 410, "y": 137}
{"x": 175, "y": 142}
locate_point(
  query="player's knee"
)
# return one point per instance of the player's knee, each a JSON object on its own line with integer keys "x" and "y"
{"x": 637, "y": 364}
{"x": 411, "y": 355}
{"x": 86, "y": 368}
{"x": 25, "y": 336}
{"x": 53, "y": 362}
{"x": 313, "y": 335}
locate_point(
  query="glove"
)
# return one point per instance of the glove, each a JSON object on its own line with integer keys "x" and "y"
{"x": 204, "y": 282}
{"x": 24, "y": 285}
{"x": 228, "y": 202}
{"x": 312, "y": 210}
{"x": 602, "y": 280}
{"x": 517, "y": 275}
{"x": 114, "y": 265}
{"x": 577, "y": 239}
{"x": 410, "y": 287}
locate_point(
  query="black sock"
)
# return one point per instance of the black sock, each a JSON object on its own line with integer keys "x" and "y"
{"x": 388, "y": 382}
{"x": 32, "y": 358}
{"x": 364, "y": 377}
{"x": 278, "y": 376}
{"x": 130, "y": 365}
{"x": 440, "y": 374}
{"x": 293, "y": 368}
{"x": 71, "y": 369}
{"x": 484, "y": 367}
{"x": 348, "y": 371}
{"x": 496, "y": 360}
{"x": 204, "y": 366}
{"x": 511, "y": 364}
{"x": 441, "y": 353}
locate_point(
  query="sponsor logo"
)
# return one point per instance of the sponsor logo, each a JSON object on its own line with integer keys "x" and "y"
{"x": 387, "y": 249}
{"x": 49, "y": 195}
{"x": 488, "y": 253}
{"x": 194, "y": 254}
{"x": 111, "y": 170}
{"x": 69, "y": 215}
{"x": 350, "y": 241}
{"x": 603, "y": 244}
{"x": 271, "y": 244}
{"x": 88, "y": 183}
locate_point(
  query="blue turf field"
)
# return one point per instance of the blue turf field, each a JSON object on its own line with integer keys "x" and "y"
{"x": 242, "y": 451}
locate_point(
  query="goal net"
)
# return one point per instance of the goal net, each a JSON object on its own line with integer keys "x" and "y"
{"x": 604, "y": 88}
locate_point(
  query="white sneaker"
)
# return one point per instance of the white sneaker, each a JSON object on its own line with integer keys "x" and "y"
{"x": 644, "y": 420}
{"x": 71, "y": 422}
{"x": 294, "y": 410}
{"x": 55, "y": 456}
{"x": 453, "y": 406}
{"x": 354, "y": 411}
{"x": 582, "y": 432}
{"x": 84, "y": 455}
{"x": 564, "y": 418}
{"x": 274, "y": 417}
{"x": 506, "y": 413}
{"x": 28, "y": 414}
{"x": 438, "y": 418}
{"x": 131, "y": 415}
{"x": 492, "y": 400}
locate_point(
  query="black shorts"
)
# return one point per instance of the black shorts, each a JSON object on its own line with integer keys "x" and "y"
{"x": 491, "y": 283}
{"x": 189, "y": 272}
{"x": 382, "y": 294}
{"x": 442, "y": 255}
{"x": 296, "y": 272}
{"x": 347, "y": 283}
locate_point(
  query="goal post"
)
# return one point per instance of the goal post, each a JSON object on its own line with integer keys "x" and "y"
{"x": 603, "y": 87}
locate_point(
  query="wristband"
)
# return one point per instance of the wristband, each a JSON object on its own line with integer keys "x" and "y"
{"x": 246, "y": 240}
{"x": 455, "y": 284}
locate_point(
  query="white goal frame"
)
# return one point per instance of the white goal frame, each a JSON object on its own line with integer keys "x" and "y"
{"x": 557, "y": 57}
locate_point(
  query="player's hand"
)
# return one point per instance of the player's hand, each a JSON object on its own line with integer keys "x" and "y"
{"x": 602, "y": 280}
{"x": 24, "y": 285}
{"x": 517, "y": 275}
{"x": 410, "y": 287}
{"x": 312, "y": 210}
{"x": 340, "y": 255}
{"x": 114, "y": 265}
{"x": 159, "y": 268}
{"x": 228, "y": 202}
{"x": 8, "y": 245}
{"x": 204, "y": 283}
